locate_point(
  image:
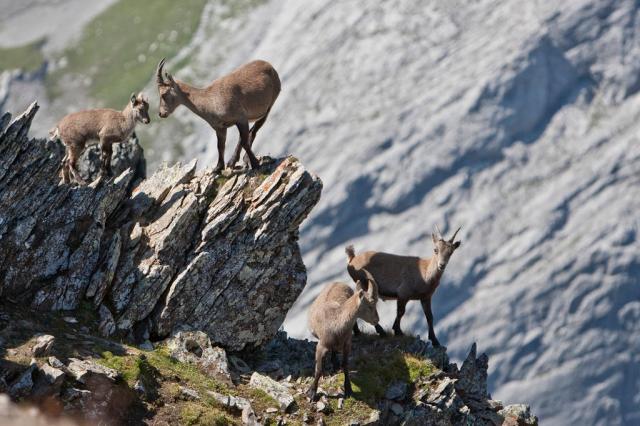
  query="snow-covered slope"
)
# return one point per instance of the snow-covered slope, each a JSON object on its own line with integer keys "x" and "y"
{"x": 516, "y": 120}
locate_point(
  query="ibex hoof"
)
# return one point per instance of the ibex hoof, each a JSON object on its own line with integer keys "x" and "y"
{"x": 398, "y": 332}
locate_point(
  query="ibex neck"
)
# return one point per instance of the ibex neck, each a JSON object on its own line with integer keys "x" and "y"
{"x": 193, "y": 98}
{"x": 129, "y": 117}
{"x": 349, "y": 312}
{"x": 430, "y": 271}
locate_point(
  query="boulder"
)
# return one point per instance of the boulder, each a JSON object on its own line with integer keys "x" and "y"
{"x": 180, "y": 250}
{"x": 195, "y": 347}
{"x": 274, "y": 389}
{"x": 43, "y": 345}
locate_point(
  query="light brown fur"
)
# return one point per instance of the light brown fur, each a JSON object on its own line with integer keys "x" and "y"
{"x": 245, "y": 95}
{"x": 405, "y": 278}
{"x": 105, "y": 126}
{"x": 331, "y": 318}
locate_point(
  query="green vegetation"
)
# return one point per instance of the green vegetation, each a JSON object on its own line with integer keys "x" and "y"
{"x": 120, "y": 48}
{"x": 375, "y": 374}
{"x": 193, "y": 413}
{"x": 27, "y": 57}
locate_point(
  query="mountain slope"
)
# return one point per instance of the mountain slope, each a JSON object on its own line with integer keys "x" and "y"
{"x": 517, "y": 121}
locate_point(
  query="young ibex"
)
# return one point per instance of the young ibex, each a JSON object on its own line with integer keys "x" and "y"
{"x": 331, "y": 318}
{"x": 246, "y": 94}
{"x": 103, "y": 125}
{"x": 405, "y": 278}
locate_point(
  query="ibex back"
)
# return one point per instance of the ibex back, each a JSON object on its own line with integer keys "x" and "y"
{"x": 245, "y": 95}
{"x": 405, "y": 278}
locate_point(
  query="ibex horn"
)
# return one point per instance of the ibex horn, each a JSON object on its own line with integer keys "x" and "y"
{"x": 373, "y": 285}
{"x": 438, "y": 231}
{"x": 159, "y": 78}
{"x": 454, "y": 234}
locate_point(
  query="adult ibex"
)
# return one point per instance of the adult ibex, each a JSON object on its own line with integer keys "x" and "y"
{"x": 246, "y": 94}
{"x": 405, "y": 278}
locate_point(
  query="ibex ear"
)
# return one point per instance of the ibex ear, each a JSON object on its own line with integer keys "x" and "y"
{"x": 457, "y": 244}
{"x": 360, "y": 293}
{"x": 359, "y": 286}
{"x": 133, "y": 98}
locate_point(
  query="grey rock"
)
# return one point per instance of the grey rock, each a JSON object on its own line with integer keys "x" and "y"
{"x": 472, "y": 378}
{"x": 84, "y": 370}
{"x": 22, "y": 386}
{"x": 518, "y": 414}
{"x": 146, "y": 345}
{"x": 274, "y": 389}
{"x": 195, "y": 347}
{"x": 42, "y": 345}
{"x": 107, "y": 325}
{"x": 189, "y": 394}
{"x": 230, "y": 402}
{"x": 184, "y": 248}
{"x": 239, "y": 365}
{"x": 396, "y": 409}
{"x": 396, "y": 391}
{"x": 340, "y": 403}
{"x": 249, "y": 417}
{"x": 126, "y": 155}
{"x": 373, "y": 420}
{"x": 271, "y": 410}
{"x": 48, "y": 380}
{"x": 139, "y": 387}
{"x": 56, "y": 363}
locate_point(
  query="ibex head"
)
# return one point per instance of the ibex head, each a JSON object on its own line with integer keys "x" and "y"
{"x": 368, "y": 299}
{"x": 140, "y": 107}
{"x": 443, "y": 249}
{"x": 168, "y": 90}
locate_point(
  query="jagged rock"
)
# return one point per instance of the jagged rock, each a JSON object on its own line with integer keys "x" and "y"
{"x": 274, "y": 389}
{"x": 249, "y": 417}
{"x": 48, "y": 380}
{"x": 107, "y": 325}
{"x": 189, "y": 394}
{"x": 472, "y": 378}
{"x": 22, "y": 386}
{"x": 83, "y": 370}
{"x": 56, "y": 363}
{"x": 518, "y": 415}
{"x": 232, "y": 402}
{"x": 396, "y": 391}
{"x": 43, "y": 345}
{"x": 185, "y": 249}
{"x": 195, "y": 347}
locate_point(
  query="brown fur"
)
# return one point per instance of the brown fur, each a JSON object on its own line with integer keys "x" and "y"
{"x": 245, "y": 95}
{"x": 405, "y": 278}
{"x": 103, "y": 125}
{"x": 331, "y": 318}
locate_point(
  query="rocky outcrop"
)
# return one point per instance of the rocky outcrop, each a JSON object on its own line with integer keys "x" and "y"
{"x": 180, "y": 250}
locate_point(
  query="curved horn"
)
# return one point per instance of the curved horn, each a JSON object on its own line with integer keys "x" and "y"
{"x": 438, "y": 231}
{"x": 454, "y": 234}
{"x": 373, "y": 285}
{"x": 159, "y": 78}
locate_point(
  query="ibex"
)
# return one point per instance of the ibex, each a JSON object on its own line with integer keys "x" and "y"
{"x": 331, "y": 318}
{"x": 246, "y": 94}
{"x": 405, "y": 278}
{"x": 103, "y": 125}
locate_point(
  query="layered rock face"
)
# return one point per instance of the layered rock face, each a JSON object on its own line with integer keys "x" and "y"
{"x": 182, "y": 249}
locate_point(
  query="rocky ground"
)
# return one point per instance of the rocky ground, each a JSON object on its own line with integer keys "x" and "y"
{"x": 59, "y": 363}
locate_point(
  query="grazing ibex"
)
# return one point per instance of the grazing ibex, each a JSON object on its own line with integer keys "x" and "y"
{"x": 405, "y": 278}
{"x": 331, "y": 318}
{"x": 246, "y": 94}
{"x": 103, "y": 125}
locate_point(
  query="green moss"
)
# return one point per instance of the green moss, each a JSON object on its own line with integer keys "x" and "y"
{"x": 193, "y": 413}
{"x": 121, "y": 46}
{"x": 28, "y": 57}
{"x": 375, "y": 374}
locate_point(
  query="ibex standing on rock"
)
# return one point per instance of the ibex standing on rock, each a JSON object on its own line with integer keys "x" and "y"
{"x": 405, "y": 278}
{"x": 104, "y": 125}
{"x": 331, "y": 318}
{"x": 246, "y": 94}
